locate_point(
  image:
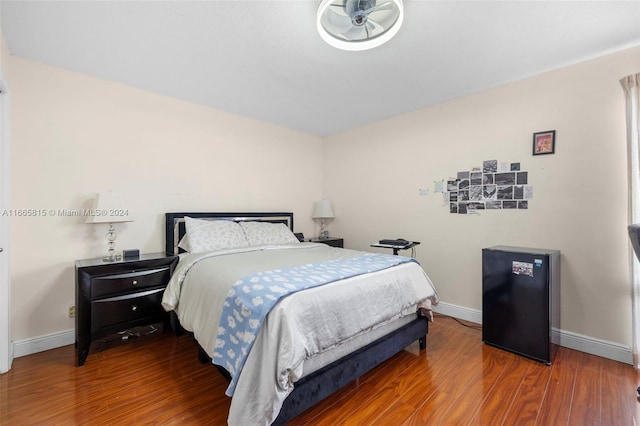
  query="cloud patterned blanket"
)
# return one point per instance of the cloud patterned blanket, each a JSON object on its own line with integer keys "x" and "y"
{"x": 251, "y": 298}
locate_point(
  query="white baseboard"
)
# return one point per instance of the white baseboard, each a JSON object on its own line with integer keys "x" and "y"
{"x": 563, "y": 338}
{"x": 43, "y": 343}
{"x": 459, "y": 312}
{"x": 566, "y": 339}
{"x": 603, "y": 348}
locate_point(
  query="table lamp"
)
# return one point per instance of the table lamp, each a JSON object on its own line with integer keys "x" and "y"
{"x": 108, "y": 208}
{"x": 323, "y": 212}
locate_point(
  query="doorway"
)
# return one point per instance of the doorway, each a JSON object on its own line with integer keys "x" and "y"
{"x": 6, "y": 347}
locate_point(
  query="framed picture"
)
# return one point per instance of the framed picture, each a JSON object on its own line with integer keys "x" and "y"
{"x": 544, "y": 142}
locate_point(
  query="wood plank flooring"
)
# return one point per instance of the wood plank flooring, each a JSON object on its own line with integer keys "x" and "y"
{"x": 457, "y": 380}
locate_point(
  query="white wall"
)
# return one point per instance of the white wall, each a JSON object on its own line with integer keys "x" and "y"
{"x": 373, "y": 175}
{"x": 75, "y": 135}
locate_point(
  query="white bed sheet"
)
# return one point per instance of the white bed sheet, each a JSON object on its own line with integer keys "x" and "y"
{"x": 318, "y": 361}
{"x": 307, "y": 324}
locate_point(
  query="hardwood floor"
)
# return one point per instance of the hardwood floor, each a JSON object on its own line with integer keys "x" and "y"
{"x": 457, "y": 381}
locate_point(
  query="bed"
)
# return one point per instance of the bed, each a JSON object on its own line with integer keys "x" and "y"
{"x": 350, "y": 312}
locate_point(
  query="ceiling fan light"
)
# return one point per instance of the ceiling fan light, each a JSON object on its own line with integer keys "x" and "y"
{"x": 359, "y": 24}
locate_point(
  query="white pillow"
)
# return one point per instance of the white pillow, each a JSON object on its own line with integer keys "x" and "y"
{"x": 263, "y": 233}
{"x": 208, "y": 235}
{"x": 184, "y": 243}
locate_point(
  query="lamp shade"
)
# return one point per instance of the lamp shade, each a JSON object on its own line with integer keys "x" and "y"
{"x": 108, "y": 208}
{"x": 323, "y": 210}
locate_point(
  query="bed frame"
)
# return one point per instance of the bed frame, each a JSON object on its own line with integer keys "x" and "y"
{"x": 175, "y": 227}
{"x": 313, "y": 388}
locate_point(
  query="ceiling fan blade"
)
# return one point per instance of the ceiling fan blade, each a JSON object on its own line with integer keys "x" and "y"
{"x": 384, "y": 6}
{"x": 354, "y": 34}
{"x": 339, "y": 13}
{"x": 339, "y": 22}
{"x": 375, "y": 29}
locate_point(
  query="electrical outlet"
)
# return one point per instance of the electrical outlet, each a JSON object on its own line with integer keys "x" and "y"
{"x": 72, "y": 311}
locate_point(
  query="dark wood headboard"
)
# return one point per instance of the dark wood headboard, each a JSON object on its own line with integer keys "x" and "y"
{"x": 175, "y": 230}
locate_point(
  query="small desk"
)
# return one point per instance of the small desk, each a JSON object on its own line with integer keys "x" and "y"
{"x": 395, "y": 248}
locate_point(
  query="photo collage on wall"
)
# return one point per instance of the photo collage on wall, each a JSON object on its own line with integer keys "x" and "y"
{"x": 495, "y": 186}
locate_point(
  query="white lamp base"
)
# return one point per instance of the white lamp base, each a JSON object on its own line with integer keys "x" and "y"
{"x": 112, "y": 258}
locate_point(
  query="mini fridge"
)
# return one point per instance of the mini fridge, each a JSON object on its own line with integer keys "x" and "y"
{"x": 521, "y": 300}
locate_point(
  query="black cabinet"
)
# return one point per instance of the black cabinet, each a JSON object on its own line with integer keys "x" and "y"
{"x": 521, "y": 300}
{"x": 115, "y": 296}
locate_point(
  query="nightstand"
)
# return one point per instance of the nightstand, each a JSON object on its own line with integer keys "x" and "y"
{"x": 117, "y": 296}
{"x": 330, "y": 241}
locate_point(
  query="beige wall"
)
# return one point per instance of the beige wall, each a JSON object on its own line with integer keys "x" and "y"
{"x": 74, "y": 135}
{"x": 373, "y": 175}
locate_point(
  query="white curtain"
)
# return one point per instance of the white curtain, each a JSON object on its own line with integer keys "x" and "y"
{"x": 631, "y": 86}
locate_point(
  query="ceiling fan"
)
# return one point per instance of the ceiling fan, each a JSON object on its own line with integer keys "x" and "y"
{"x": 359, "y": 24}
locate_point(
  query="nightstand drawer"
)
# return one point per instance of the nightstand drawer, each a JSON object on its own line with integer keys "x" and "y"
{"x": 126, "y": 308}
{"x": 127, "y": 282}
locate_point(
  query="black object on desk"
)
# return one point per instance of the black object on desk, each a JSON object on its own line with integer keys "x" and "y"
{"x": 398, "y": 244}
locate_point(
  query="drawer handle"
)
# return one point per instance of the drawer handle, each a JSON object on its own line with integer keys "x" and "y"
{"x": 135, "y": 282}
{"x": 134, "y": 308}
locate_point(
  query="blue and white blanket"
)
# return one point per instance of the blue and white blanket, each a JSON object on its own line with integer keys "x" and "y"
{"x": 251, "y": 298}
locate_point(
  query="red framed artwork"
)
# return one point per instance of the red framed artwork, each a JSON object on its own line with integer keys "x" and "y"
{"x": 544, "y": 142}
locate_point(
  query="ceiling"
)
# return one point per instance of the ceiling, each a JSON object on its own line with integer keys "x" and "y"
{"x": 265, "y": 60}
